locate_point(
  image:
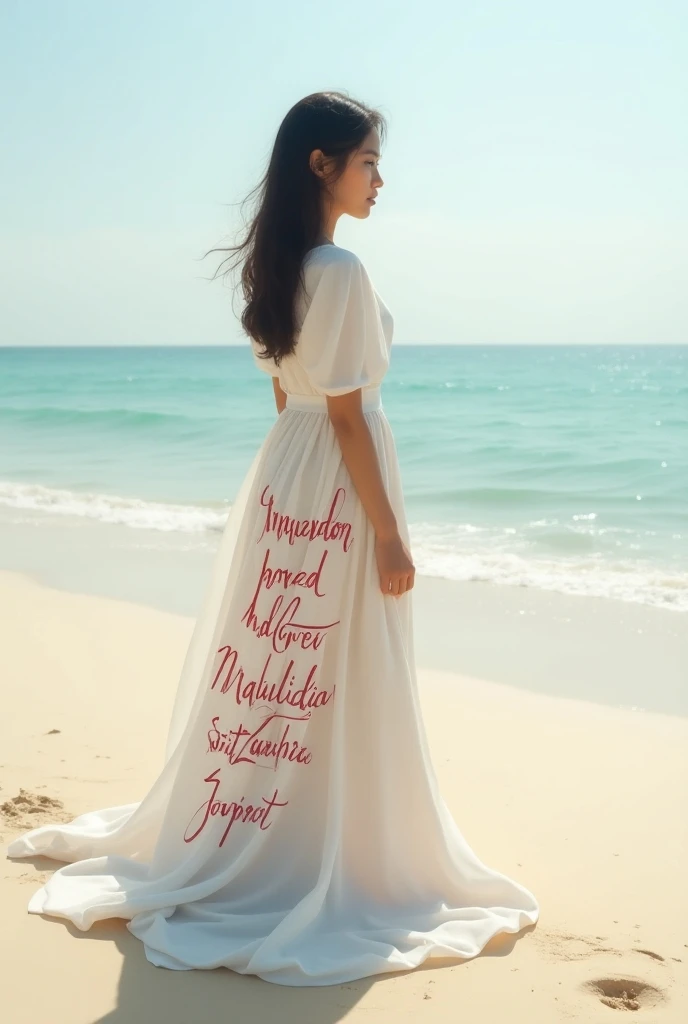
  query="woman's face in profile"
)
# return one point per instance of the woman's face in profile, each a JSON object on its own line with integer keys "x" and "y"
{"x": 361, "y": 180}
{"x": 357, "y": 187}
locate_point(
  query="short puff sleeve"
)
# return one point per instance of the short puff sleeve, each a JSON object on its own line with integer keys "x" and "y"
{"x": 341, "y": 345}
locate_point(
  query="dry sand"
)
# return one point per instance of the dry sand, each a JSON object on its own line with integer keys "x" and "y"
{"x": 585, "y": 804}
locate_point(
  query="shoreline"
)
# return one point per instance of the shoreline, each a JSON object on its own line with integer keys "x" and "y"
{"x": 609, "y": 651}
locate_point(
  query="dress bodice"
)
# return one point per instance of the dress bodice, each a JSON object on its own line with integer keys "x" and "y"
{"x": 345, "y": 331}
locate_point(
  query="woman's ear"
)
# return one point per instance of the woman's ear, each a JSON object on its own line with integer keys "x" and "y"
{"x": 317, "y": 161}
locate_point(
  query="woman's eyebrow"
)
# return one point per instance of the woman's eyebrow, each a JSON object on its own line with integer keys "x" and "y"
{"x": 373, "y": 151}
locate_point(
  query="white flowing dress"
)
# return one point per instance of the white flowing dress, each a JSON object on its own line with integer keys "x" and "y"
{"x": 296, "y": 830}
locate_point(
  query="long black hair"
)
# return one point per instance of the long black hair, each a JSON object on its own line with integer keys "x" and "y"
{"x": 288, "y": 220}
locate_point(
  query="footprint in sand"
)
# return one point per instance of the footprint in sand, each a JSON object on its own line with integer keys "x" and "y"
{"x": 619, "y": 993}
{"x": 31, "y": 878}
{"x": 565, "y": 946}
{"x": 29, "y": 810}
{"x": 625, "y": 993}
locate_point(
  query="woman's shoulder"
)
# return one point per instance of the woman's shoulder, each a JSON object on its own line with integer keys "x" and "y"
{"x": 332, "y": 267}
{"x": 328, "y": 255}
{"x": 334, "y": 278}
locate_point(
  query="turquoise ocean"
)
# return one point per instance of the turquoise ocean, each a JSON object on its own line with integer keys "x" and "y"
{"x": 560, "y": 468}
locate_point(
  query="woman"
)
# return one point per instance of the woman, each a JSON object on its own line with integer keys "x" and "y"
{"x": 296, "y": 831}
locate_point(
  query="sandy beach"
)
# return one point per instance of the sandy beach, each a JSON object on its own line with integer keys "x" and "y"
{"x": 583, "y": 806}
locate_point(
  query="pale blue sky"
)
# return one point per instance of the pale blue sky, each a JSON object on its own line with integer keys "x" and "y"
{"x": 535, "y": 170}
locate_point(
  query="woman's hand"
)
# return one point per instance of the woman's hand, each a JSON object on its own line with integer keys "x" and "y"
{"x": 395, "y": 565}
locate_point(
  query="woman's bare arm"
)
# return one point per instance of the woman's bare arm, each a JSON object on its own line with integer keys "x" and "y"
{"x": 280, "y": 395}
{"x": 394, "y": 561}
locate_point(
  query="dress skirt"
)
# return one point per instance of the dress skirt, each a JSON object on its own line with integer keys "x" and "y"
{"x": 296, "y": 830}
